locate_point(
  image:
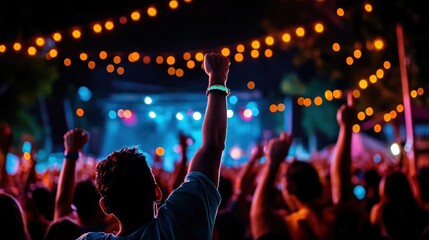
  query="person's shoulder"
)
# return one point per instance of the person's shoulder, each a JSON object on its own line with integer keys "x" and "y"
{"x": 93, "y": 236}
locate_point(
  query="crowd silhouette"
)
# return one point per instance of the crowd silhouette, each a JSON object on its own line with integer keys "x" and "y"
{"x": 122, "y": 197}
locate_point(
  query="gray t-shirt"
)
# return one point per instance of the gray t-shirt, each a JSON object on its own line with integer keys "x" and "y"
{"x": 188, "y": 213}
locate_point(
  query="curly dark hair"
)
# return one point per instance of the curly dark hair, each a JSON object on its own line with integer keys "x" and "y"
{"x": 126, "y": 183}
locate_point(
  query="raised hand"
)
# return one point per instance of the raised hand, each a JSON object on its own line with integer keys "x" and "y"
{"x": 75, "y": 139}
{"x": 217, "y": 67}
{"x": 278, "y": 149}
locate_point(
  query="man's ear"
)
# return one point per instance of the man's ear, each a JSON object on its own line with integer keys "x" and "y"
{"x": 104, "y": 206}
{"x": 158, "y": 193}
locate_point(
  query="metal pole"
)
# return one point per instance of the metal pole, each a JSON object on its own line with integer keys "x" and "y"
{"x": 409, "y": 146}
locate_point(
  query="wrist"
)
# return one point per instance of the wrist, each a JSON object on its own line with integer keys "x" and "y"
{"x": 218, "y": 88}
{"x": 72, "y": 155}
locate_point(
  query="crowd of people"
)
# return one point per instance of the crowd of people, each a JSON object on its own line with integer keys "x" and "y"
{"x": 122, "y": 197}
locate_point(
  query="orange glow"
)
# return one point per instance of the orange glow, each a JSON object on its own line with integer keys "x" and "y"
{"x": 31, "y": 51}
{"x": 254, "y": 53}
{"x": 67, "y": 62}
{"x": 146, "y": 59}
{"x": 2, "y": 48}
{"x": 120, "y": 71}
{"x": 170, "y": 60}
{"x": 76, "y": 34}
{"x": 133, "y": 57}
{"x": 173, "y": 4}
{"x": 373, "y": 79}
{"x": 286, "y": 37}
{"x": 17, "y": 46}
{"x": 281, "y": 107}
{"x": 380, "y": 73}
{"x": 361, "y": 116}
{"x": 251, "y": 85}
{"x": 336, "y": 47}
{"x": 53, "y": 53}
{"x": 240, "y": 48}
{"x": 199, "y": 56}
{"x": 256, "y": 44}
{"x": 97, "y": 28}
{"x": 102, "y": 55}
{"x": 363, "y": 84}
{"x": 83, "y": 56}
{"x": 420, "y": 91}
{"x": 386, "y": 65}
{"x": 328, "y": 95}
{"x": 151, "y": 11}
{"x": 268, "y": 53}
{"x": 319, "y": 28}
{"x": 269, "y": 41}
{"x": 159, "y": 60}
{"x": 368, "y": 7}
{"x": 340, "y": 12}
{"x": 171, "y": 71}
{"x": 369, "y": 111}
{"x": 190, "y": 64}
{"x": 179, "y": 72}
{"x": 273, "y": 108}
{"x": 80, "y": 112}
{"x": 135, "y": 16}
{"x": 128, "y": 113}
{"x": 300, "y": 101}
{"x": 160, "y": 151}
{"x": 356, "y": 128}
{"x": 307, "y": 102}
{"x": 318, "y": 101}
{"x": 57, "y": 37}
{"x": 91, "y": 64}
{"x": 186, "y": 56}
{"x": 400, "y": 108}
{"x": 357, "y": 53}
{"x": 109, "y": 25}
{"x": 379, "y": 44}
{"x": 26, "y": 156}
{"x": 413, "y": 93}
{"x": 356, "y": 93}
{"x": 40, "y": 41}
{"x": 300, "y": 32}
{"x": 117, "y": 59}
{"x": 238, "y": 57}
{"x": 377, "y": 128}
{"x": 110, "y": 68}
{"x": 393, "y": 114}
{"x": 349, "y": 60}
{"x": 337, "y": 94}
{"x": 387, "y": 117}
{"x": 225, "y": 52}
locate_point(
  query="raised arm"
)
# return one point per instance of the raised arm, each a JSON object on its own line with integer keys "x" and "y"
{"x": 179, "y": 172}
{"x": 245, "y": 179}
{"x": 263, "y": 217}
{"x": 74, "y": 140}
{"x": 208, "y": 157}
{"x": 341, "y": 166}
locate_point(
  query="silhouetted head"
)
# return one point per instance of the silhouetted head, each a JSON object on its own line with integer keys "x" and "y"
{"x": 63, "y": 229}
{"x": 12, "y": 220}
{"x": 86, "y": 199}
{"x": 303, "y": 181}
{"x": 395, "y": 188}
{"x": 44, "y": 201}
{"x": 126, "y": 184}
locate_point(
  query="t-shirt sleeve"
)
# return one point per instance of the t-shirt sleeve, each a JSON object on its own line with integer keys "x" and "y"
{"x": 190, "y": 210}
